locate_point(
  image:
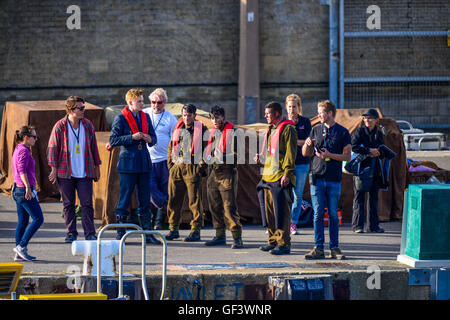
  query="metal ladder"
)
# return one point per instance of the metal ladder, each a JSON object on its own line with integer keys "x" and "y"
{"x": 142, "y": 232}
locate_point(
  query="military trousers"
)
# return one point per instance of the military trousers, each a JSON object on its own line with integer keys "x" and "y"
{"x": 184, "y": 178}
{"x": 278, "y": 231}
{"x": 222, "y": 190}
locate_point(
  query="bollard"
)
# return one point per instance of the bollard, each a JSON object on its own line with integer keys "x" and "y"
{"x": 88, "y": 249}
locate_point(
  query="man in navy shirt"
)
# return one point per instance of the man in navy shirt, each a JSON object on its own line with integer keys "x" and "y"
{"x": 303, "y": 128}
{"x": 329, "y": 144}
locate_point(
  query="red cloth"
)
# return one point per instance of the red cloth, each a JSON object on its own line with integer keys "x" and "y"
{"x": 58, "y": 149}
{"x": 222, "y": 145}
{"x": 196, "y": 141}
{"x": 132, "y": 121}
{"x": 275, "y": 139}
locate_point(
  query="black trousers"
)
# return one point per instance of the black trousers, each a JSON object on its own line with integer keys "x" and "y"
{"x": 359, "y": 210}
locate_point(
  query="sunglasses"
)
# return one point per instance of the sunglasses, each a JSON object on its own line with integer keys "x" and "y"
{"x": 31, "y": 136}
{"x": 157, "y": 102}
{"x": 80, "y": 108}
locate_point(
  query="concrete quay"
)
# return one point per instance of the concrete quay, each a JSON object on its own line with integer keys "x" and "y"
{"x": 194, "y": 271}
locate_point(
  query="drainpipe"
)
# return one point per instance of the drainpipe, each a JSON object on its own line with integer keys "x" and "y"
{"x": 334, "y": 48}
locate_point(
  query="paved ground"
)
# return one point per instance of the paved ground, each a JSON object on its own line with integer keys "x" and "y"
{"x": 55, "y": 256}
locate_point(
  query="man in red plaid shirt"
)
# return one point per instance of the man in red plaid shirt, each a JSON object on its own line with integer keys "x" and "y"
{"x": 74, "y": 160}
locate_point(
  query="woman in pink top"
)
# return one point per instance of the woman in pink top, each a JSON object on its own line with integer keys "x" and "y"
{"x": 24, "y": 192}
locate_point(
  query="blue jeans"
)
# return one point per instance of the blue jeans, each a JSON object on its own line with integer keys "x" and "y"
{"x": 301, "y": 172}
{"x": 326, "y": 193}
{"x": 25, "y": 210}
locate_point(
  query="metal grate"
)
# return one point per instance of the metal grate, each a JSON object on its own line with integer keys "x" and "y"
{"x": 402, "y": 68}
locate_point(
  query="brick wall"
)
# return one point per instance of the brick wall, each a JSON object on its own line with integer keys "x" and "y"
{"x": 192, "y": 49}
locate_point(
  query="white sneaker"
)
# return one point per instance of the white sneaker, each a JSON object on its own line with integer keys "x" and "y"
{"x": 294, "y": 229}
{"x": 17, "y": 258}
{"x": 23, "y": 253}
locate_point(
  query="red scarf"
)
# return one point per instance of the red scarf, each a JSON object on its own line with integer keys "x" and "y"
{"x": 275, "y": 139}
{"x": 222, "y": 145}
{"x": 132, "y": 120}
{"x": 197, "y": 138}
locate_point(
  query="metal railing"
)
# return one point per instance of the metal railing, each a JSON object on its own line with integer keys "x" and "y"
{"x": 142, "y": 232}
{"x": 144, "y": 285}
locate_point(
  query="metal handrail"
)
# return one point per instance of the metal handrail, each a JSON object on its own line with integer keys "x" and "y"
{"x": 430, "y": 138}
{"x": 99, "y": 236}
{"x": 144, "y": 285}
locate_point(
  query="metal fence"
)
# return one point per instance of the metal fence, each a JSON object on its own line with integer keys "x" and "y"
{"x": 401, "y": 67}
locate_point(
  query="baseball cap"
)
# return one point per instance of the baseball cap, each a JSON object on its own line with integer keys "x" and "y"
{"x": 371, "y": 113}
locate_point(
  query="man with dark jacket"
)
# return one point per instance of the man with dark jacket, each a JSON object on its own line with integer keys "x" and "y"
{"x": 366, "y": 140}
{"x": 132, "y": 130}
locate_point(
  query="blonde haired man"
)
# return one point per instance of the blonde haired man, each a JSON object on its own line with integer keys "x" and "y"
{"x": 132, "y": 130}
{"x": 328, "y": 144}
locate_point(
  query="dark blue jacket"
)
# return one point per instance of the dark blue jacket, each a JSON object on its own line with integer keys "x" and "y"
{"x": 131, "y": 159}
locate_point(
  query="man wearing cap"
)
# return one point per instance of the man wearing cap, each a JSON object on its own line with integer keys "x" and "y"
{"x": 366, "y": 140}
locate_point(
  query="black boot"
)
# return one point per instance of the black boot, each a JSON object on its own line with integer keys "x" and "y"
{"x": 121, "y": 231}
{"x": 145, "y": 221}
{"x": 160, "y": 217}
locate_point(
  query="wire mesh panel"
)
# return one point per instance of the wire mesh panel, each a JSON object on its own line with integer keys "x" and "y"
{"x": 401, "y": 67}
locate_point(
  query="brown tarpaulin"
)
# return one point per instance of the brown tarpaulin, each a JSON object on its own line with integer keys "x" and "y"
{"x": 42, "y": 115}
{"x": 391, "y": 201}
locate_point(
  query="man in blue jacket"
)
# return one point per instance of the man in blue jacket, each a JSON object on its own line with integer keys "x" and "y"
{"x": 132, "y": 130}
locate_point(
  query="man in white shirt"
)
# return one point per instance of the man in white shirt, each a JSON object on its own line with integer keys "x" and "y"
{"x": 163, "y": 122}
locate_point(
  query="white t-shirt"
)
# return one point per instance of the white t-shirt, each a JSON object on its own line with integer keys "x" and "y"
{"x": 163, "y": 123}
{"x": 77, "y": 144}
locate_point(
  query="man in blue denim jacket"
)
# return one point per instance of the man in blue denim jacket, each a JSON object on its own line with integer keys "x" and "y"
{"x": 132, "y": 130}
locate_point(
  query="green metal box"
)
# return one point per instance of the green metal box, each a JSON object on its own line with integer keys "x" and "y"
{"x": 428, "y": 222}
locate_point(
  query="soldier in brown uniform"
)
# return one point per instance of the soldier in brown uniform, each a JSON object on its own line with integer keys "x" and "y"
{"x": 278, "y": 179}
{"x": 186, "y": 167}
{"x": 221, "y": 156}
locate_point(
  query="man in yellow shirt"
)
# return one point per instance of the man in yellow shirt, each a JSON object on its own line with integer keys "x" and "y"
{"x": 278, "y": 178}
